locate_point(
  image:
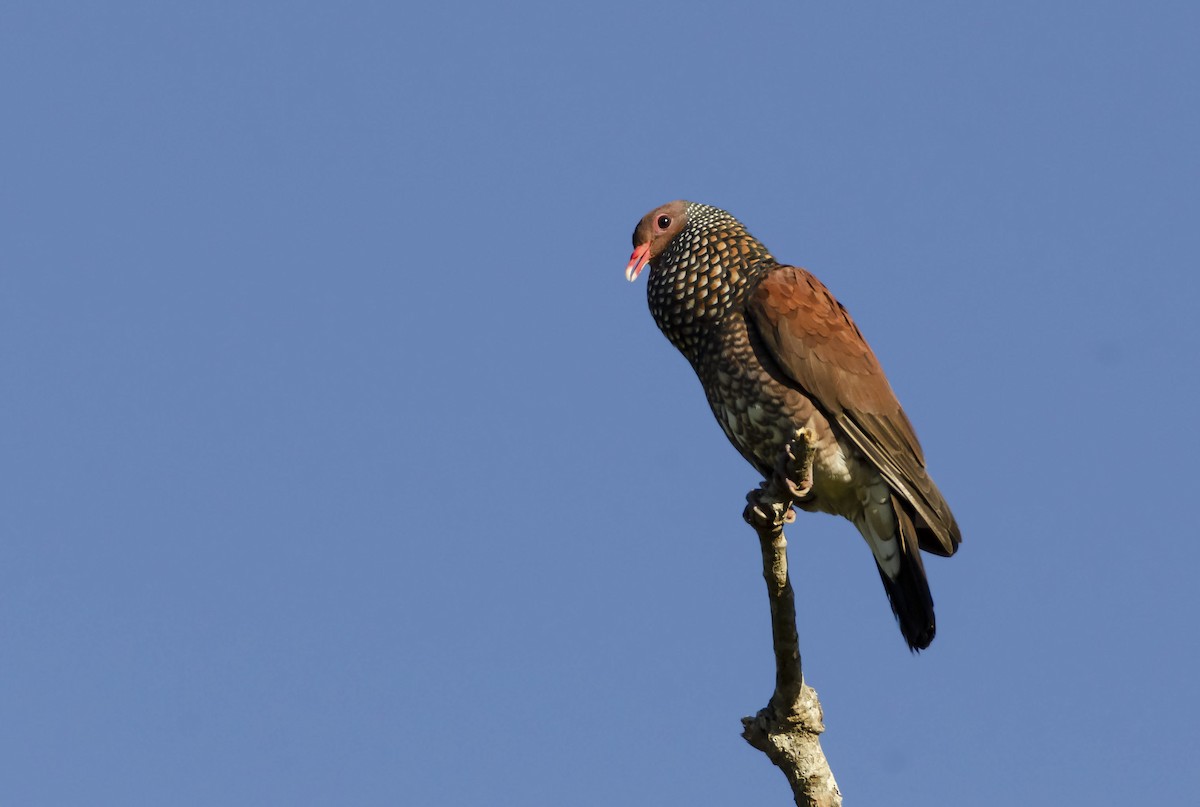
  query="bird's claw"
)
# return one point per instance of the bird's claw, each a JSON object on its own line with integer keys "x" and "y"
{"x": 765, "y": 510}
{"x": 798, "y": 491}
{"x": 769, "y": 506}
{"x": 795, "y": 473}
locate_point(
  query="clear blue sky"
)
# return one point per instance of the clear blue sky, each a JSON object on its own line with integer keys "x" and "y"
{"x": 342, "y": 465}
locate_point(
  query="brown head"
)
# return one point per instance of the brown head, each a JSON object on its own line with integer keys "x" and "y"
{"x": 652, "y": 234}
{"x": 690, "y": 232}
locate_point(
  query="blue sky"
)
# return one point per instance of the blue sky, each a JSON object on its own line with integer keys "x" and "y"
{"x": 344, "y": 467}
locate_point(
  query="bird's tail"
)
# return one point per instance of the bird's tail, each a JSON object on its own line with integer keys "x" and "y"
{"x": 907, "y": 589}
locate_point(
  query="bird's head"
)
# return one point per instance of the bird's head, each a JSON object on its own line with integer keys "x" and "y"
{"x": 683, "y": 233}
{"x": 652, "y": 234}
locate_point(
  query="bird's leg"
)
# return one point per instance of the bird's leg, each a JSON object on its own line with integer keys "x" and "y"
{"x": 770, "y": 505}
{"x": 794, "y": 467}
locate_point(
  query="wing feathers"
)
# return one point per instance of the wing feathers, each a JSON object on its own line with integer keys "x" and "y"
{"x": 814, "y": 340}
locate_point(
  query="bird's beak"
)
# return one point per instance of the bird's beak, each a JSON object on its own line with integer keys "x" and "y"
{"x": 637, "y": 262}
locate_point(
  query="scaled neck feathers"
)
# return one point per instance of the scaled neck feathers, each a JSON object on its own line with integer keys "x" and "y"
{"x": 703, "y": 275}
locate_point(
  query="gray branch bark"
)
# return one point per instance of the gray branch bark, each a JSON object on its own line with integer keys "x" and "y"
{"x": 788, "y": 729}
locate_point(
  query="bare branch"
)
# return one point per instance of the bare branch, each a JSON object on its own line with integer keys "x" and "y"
{"x": 788, "y": 729}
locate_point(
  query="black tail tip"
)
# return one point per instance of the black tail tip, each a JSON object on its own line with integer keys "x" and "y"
{"x": 918, "y": 638}
{"x": 912, "y": 604}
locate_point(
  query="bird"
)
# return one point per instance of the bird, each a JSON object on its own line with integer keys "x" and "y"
{"x": 775, "y": 352}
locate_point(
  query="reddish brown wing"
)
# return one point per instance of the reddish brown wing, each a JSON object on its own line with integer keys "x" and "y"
{"x": 820, "y": 348}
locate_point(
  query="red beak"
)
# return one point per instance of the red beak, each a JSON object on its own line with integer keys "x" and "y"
{"x": 637, "y": 262}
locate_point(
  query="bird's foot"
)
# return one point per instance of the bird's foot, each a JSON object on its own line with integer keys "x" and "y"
{"x": 794, "y": 468}
{"x": 769, "y": 506}
{"x": 765, "y": 510}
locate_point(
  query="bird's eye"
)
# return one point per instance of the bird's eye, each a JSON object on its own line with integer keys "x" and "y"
{"x": 664, "y": 222}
